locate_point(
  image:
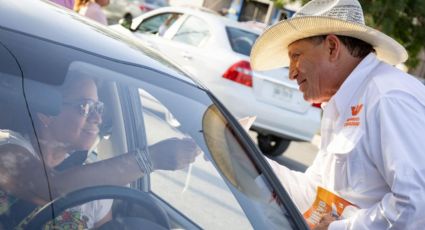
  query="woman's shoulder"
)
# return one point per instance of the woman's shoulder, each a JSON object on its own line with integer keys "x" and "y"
{"x": 11, "y": 137}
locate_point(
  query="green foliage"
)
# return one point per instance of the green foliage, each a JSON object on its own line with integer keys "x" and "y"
{"x": 403, "y": 20}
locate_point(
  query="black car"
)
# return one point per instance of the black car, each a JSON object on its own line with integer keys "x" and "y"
{"x": 98, "y": 131}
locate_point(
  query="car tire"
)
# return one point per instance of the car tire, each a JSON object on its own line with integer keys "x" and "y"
{"x": 272, "y": 145}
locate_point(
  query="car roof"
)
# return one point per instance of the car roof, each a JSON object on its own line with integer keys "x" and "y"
{"x": 51, "y": 22}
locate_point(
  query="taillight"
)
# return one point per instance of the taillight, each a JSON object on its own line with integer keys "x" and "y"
{"x": 240, "y": 72}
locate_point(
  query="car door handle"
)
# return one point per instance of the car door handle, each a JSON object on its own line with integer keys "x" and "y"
{"x": 187, "y": 56}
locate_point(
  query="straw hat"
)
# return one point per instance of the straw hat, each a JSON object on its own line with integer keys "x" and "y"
{"x": 320, "y": 17}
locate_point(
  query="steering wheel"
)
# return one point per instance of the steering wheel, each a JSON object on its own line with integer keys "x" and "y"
{"x": 157, "y": 216}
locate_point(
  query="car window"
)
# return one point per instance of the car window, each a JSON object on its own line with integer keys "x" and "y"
{"x": 194, "y": 188}
{"x": 16, "y": 152}
{"x": 194, "y": 31}
{"x": 222, "y": 182}
{"x": 241, "y": 41}
{"x": 158, "y": 24}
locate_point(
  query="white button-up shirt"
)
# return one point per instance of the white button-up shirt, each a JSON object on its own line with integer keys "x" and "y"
{"x": 372, "y": 151}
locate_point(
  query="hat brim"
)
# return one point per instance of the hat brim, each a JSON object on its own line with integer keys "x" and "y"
{"x": 271, "y": 48}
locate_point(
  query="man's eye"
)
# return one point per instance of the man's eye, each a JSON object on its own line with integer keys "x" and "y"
{"x": 295, "y": 56}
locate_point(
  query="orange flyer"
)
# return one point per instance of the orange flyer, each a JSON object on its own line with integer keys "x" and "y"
{"x": 326, "y": 202}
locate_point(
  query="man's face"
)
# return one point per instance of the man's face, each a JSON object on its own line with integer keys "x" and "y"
{"x": 309, "y": 65}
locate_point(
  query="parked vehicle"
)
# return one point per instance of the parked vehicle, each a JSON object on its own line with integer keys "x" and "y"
{"x": 122, "y": 9}
{"x": 146, "y": 100}
{"x": 215, "y": 50}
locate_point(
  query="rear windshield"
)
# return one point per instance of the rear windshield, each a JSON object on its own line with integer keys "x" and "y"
{"x": 241, "y": 41}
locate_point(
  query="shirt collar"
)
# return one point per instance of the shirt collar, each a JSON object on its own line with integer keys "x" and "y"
{"x": 343, "y": 96}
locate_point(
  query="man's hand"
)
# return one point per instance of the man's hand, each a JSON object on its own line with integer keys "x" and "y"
{"x": 325, "y": 222}
{"x": 173, "y": 153}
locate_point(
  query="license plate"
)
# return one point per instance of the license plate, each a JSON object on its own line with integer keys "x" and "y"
{"x": 282, "y": 96}
{"x": 282, "y": 93}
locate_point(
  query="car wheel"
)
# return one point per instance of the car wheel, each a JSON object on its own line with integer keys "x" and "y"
{"x": 272, "y": 145}
{"x": 153, "y": 215}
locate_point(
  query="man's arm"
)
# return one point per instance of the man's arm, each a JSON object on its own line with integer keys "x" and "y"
{"x": 302, "y": 187}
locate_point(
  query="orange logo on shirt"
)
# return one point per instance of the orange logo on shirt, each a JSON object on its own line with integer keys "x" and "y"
{"x": 354, "y": 120}
{"x": 356, "y": 109}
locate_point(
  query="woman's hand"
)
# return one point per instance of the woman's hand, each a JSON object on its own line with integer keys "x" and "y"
{"x": 173, "y": 153}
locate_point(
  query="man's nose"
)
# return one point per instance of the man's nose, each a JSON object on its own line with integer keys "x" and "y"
{"x": 292, "y": 71}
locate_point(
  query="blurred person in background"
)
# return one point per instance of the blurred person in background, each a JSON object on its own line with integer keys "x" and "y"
{"x": 66, "y": 3}
{"x": 92, "y": 9}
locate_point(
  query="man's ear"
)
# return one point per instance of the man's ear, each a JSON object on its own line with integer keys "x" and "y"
{"x": 44, "y": 119}
{"x": 333, "y": 45}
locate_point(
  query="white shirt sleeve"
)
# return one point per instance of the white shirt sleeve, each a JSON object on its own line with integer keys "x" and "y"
{"x": 395, "y": 128}
{"x": 302, "y": 187}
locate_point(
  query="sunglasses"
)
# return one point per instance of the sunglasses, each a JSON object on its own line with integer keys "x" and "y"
{"x": 88, "y": 107}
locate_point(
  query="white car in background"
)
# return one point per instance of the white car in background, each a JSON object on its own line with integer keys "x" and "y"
{"x": 215, "y": 50}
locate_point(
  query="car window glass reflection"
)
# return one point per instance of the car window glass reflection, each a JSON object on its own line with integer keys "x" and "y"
{"x": 241, "y": 41}
{"x": 158, "y": 24}
{"x": 193, "y": 32}
{"x": 189, "y": 189}
{"x": 239, "y": 169}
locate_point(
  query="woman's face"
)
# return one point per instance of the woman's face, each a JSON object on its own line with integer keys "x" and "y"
{"x": 72, "y": 127}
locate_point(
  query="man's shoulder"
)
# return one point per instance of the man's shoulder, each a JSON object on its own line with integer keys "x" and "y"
{"x": 386, "y": 79}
